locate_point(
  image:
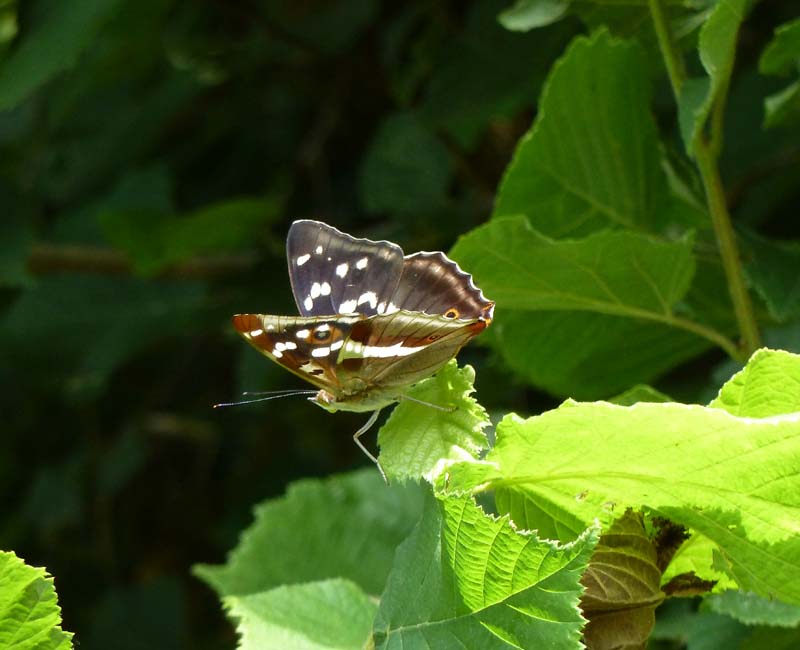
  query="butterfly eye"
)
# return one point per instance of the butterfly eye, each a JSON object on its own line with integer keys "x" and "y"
{"x": 322, "y": 335}
{"x": 451, "y": 313}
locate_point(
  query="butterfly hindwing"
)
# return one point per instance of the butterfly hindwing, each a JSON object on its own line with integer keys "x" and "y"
{"x": 334, "y": 273}
{"x": 432, "y": 283}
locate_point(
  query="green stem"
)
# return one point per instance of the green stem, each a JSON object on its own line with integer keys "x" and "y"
{"x": 706, "y": 157}
{"x": 728, "y": 247}
{"x": 671, "y": 54}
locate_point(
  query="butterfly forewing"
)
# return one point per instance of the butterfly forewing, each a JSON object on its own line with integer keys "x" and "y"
{"x": 334, "y": 273}
{"x": 400, "y": 349}
{"x": 306, "y": 346}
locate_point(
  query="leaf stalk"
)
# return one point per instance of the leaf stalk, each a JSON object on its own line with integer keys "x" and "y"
{"x": 706, "y": 154}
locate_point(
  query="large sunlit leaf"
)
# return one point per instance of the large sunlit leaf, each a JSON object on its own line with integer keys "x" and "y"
{"x": 735, "y": 480}
{"x": 466, "y": 579}
{"x": 417, "y": 438}
{"x": 591, "y": 159}
{"x": 768, "y": 385}
{"x": 610, "y": 272}
{"x": 30, "y": 618}
{"x": 583, "y": 317}
{"x": 326, "y": 615}
{"x": 347, "y": 526}
{"x": 587, "y": 355}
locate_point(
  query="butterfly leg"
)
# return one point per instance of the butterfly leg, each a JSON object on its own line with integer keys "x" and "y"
{"x": 360, "y": 433}
{"x": 446, "y": 409}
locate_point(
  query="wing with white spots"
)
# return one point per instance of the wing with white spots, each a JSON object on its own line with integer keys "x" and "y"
{"x": 308, "y": 347}
{"x": 432, "y": 283}
{"x": 334, "y": 273}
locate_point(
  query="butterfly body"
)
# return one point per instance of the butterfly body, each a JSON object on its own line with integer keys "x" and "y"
{"x": 373, "y": 321}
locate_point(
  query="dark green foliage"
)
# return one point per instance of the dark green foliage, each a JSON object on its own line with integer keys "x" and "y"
{"x": 152, "y": 156}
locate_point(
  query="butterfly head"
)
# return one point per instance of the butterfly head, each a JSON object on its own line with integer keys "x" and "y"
{"x": 360, "y": 400}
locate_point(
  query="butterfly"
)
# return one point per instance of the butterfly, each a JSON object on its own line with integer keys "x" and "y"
{"x": 373, "y": 321}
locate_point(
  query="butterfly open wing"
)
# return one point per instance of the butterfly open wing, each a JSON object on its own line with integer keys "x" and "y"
{"x": 334, "y": 273}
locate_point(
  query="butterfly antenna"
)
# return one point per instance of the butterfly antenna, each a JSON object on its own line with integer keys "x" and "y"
{"x": 265, "y": 399}
{"x": 285, "y": 391}
{"x": 445, "y": 409}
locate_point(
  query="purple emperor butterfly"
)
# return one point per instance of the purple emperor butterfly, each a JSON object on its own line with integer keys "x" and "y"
{"x": 374, "y": 322}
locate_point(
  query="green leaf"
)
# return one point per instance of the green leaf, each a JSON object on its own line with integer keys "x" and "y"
{"x": 325, "y": 615}
{"x": 347, "y": 526}
{"x": 466, "y": 579}
{"x": 610, "y": 292}
{"x": 766, "y": 386}
{"x": 622, "y": 586}
{"x": 717, "y": 49}
{"x": 525, "y": 15}
{"x": 30, "y": 618}
{"x": 772, "y": 271}
{"x": 709, "y": 631}
{"x": 406, "y": 170}
{"x": 753, "y": 609}
{"x": 783, "y": 108}
{"x": 154, "y": 243}
{"x": 781, "y": 57}
{"x": 782, "y": 54}
{"x": 591, "y": 159}
{"x": 735, "y": 480}
{"x": 588, "y": 355}
{"x": 771, "y": 638}
{"x": 57, "y": 34}
{"x": 610, "y": 272}
{"x": 8, "y": 24}
{"x": 639, "y": 393}
{"x": 418, "y": 440}
{"x": 697, "y": 555}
